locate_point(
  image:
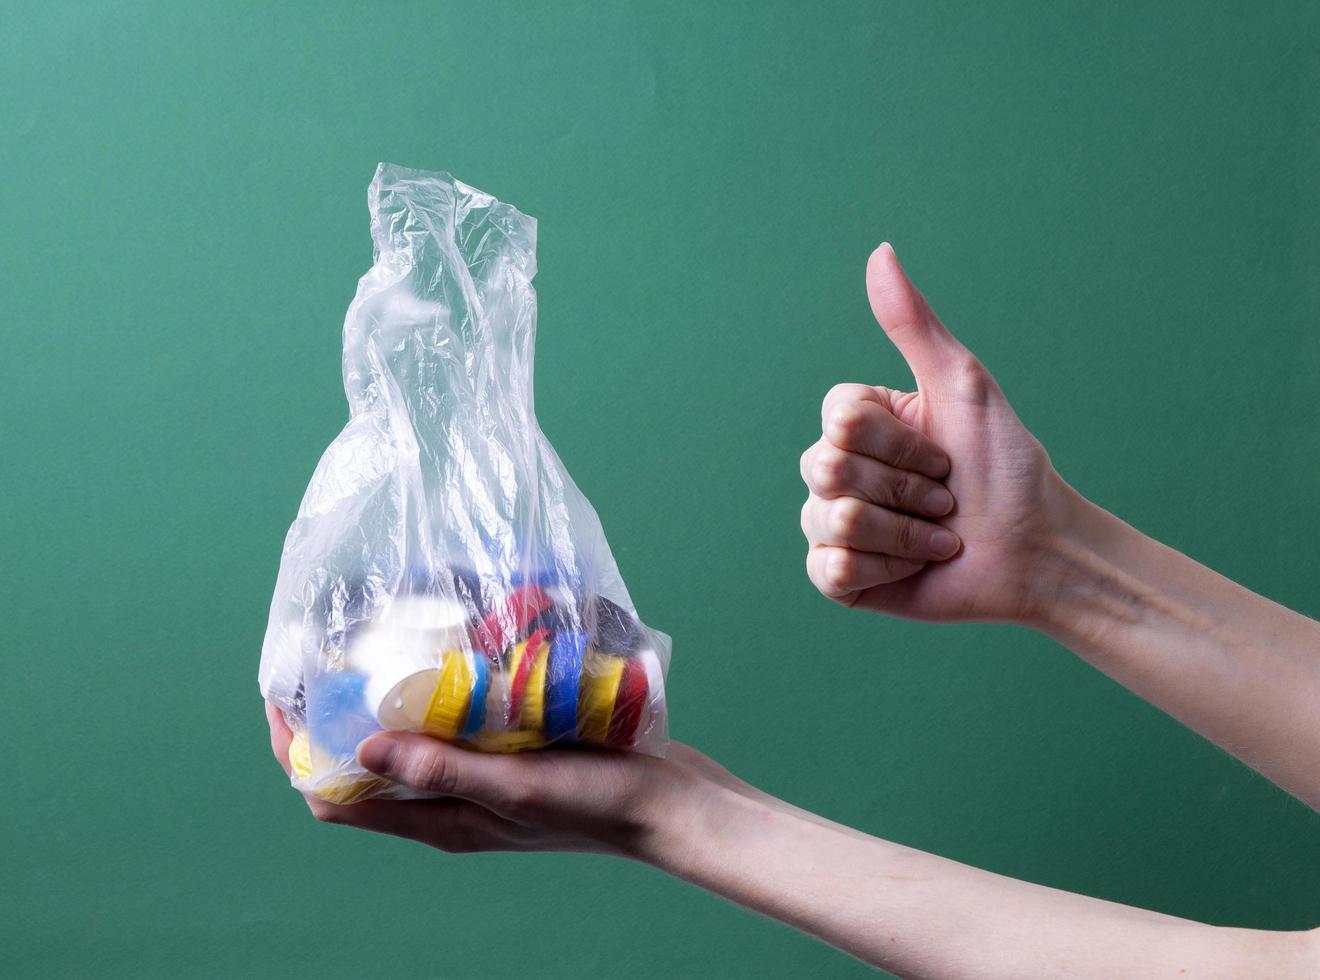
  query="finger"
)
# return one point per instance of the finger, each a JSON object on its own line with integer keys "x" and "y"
{"x": 898, "y": 402}
{"x": 849, "y": 392}
{"x": 871, "y": 429}
{"x": 840, "y": 572}
{"x": 847, "y": 522}
{"x": 456, "y": 826}
{"x": 280, "y": 736}
{"x": 830, "y": 472}
{"x": 907, "y": 318}
{"x": 495, "y": 781}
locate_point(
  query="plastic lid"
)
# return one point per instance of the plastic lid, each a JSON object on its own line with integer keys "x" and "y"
{"x": 522, "y": 659}
{"x": 600, "y": 686}
{"x": 515, "y": 741}
{"x": 480, "y": 685}
{"x": 532, "y": 713}
{"x": 448, "y": 707}
{"x": 629, "y": 703}
{"x": 300, "y": 755}
{"x": 563, "y": 678}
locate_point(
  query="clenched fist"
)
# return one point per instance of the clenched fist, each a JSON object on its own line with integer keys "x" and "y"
{"x": 933, "y": 504}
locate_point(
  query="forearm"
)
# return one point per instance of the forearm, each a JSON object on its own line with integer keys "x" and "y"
{"x": 1240, "y": 669}
{"x": 923, "y": 916}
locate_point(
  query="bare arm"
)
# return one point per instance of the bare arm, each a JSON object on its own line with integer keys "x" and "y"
{"x": 1240, "y": 669}
{"x": 906, "y": 911}
{"x": 919, "y": 915}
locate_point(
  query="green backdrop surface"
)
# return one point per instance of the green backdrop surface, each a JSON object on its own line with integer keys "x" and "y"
{"x": 1116, "y": 208}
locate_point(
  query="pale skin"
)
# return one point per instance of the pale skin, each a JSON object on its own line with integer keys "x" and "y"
{"x": 936, "y": 505}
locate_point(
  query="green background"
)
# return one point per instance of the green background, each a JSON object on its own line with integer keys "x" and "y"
{"x": 1115, "y": 208}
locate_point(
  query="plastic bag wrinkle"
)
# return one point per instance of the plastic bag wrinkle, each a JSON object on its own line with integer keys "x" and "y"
{"x": 441, "y": 542}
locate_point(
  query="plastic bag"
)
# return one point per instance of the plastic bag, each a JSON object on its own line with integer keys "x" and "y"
{"x": 444, "y": 574}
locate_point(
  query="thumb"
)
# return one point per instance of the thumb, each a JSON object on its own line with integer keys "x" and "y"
{"x": 492, "y": 781}
{"x": 907, "y": 319}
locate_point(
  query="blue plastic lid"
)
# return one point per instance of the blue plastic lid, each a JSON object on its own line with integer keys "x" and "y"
{"x": 337, "y": 715}
{"x": 477, "y": 706}
{"x": 563, "y": 676}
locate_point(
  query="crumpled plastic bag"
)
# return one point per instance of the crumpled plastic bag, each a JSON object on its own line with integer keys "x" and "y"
{"x": 444, "y": 574}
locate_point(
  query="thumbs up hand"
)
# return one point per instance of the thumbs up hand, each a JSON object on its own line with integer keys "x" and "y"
{"x": 933, "y": 504}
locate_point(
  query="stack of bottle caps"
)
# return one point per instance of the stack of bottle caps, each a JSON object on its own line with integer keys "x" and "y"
{"x": 542, "y": 663}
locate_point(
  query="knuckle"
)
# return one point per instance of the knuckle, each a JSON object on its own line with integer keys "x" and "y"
{"x": 829, "y": 469}
{"x": 430, "y": 770}
{"x": 905, "y": 451}
{"x": 971, "y": 378}
{"x": 908, "y": 535}
{"x": 839, "y": 570}
{"x": 846, "y": 518}
{"x": 840, "y": 391}
{"x": 846, "y": 421}
{"x": 901, "y": 486}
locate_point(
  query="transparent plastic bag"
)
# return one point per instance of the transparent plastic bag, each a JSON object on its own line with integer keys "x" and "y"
{"x": 444, "y": 574}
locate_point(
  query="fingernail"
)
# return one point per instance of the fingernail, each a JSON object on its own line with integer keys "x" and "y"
{"x": 942, "y": 544}
{"x": 938, "y": 502}
{"x": 377, "y": 753}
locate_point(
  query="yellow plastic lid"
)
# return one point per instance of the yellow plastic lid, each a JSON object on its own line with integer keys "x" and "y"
{"x": 533, "y": 701}
{"x": 348, "y": 789}
{"x": 300, "y": 755}
{"x": 342, "y": 789}
{"x": 516, "y": 741}
{"x": 600, "y": 686}
{"x": 449, "y": 702}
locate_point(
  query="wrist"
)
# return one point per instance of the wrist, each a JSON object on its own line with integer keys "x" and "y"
{"x": 693, "y": 820}
{"x": 1078, "y": 580}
